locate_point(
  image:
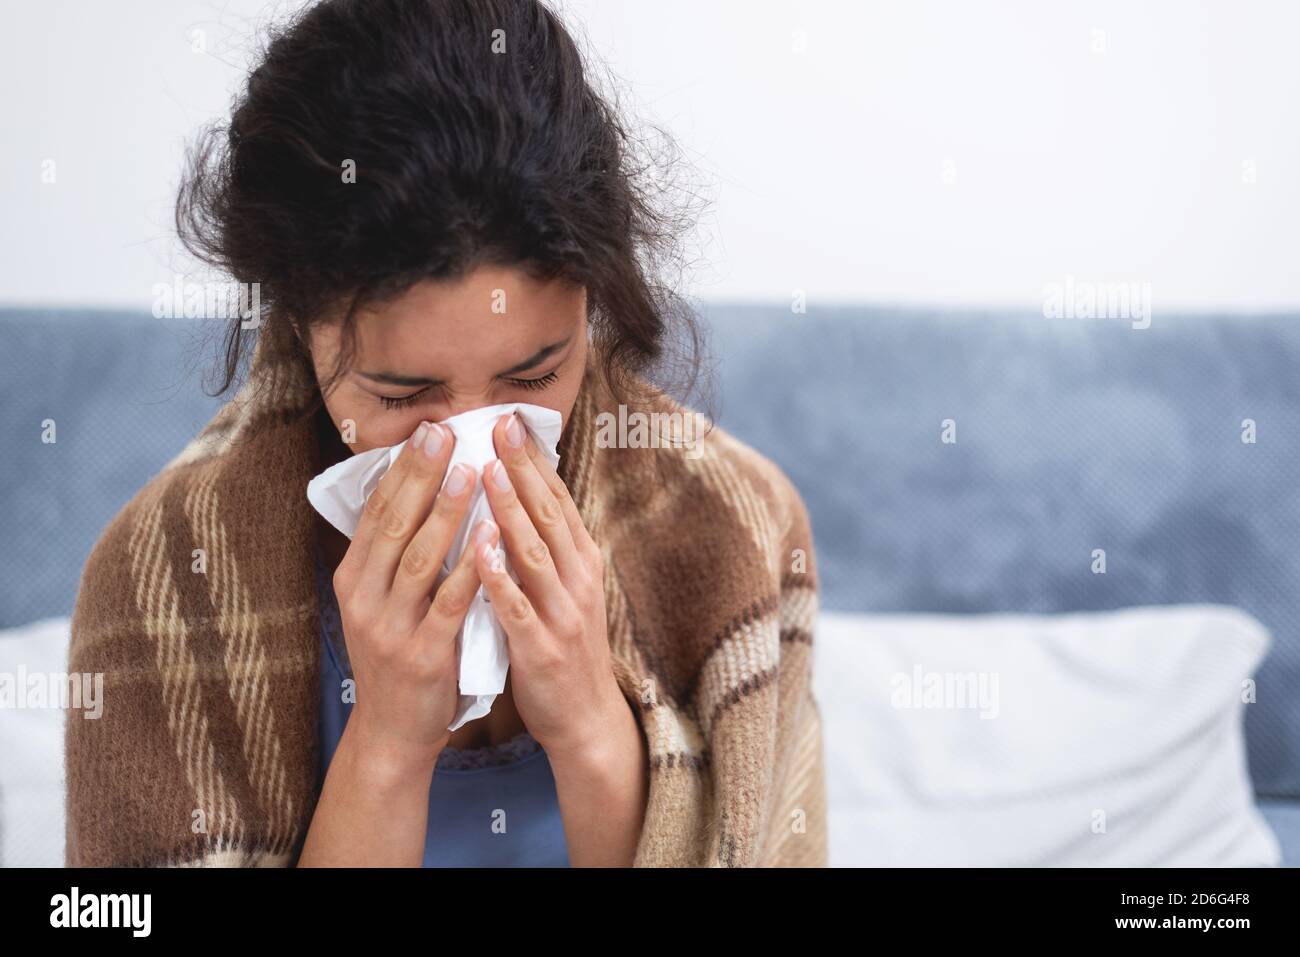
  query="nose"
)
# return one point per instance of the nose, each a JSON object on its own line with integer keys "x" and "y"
{"x": 455, "y": 405}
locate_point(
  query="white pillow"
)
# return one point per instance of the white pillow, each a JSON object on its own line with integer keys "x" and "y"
{"x": 1133, "y": 713}
{"x": 31, "y": 750}
{"x": 1112, "y": 738}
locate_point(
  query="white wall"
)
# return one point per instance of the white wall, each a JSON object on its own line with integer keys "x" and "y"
{"x": 913, "y": 151}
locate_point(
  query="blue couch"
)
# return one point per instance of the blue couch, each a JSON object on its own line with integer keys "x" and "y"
{"x": 1072, "y": 435}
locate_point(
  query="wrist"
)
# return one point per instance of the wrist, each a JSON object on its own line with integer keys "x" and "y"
{"x": 389, "y": 762}
{"x": 604, "y": 749}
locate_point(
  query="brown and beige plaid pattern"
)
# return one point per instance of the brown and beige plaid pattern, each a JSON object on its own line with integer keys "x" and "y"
{"x": 199, "y": 608}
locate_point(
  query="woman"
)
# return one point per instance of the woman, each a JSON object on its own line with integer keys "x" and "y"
{"x": 441, "y": 215}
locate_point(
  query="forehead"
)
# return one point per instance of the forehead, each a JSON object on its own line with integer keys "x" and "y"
{"x": 481, "y": 324}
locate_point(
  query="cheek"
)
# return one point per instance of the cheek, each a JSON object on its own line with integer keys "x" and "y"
{"x": 565, "y": 405}
{"x": 566, "y": 396}
{"x": 367, "y": 425}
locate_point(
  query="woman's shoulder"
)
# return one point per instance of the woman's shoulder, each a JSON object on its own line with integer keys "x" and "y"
{"x": 757, "y": 468}
{"x": 703, "y": 458}
{"x": 159, "y": 545}
{"x": 135, "y": 545}
{"x": 689, "y": 444}
{"x": 720, "y": 506}
{"x": 756, "y": 485}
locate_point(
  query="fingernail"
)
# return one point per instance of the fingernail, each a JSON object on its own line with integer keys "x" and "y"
{"x": 486, "y": 529}
{"x": 433, "y": 441}
{"x": 459, "y": 479}
{"x": 418, "y": 438}
{"x": 492, "y": 557}
{"x": 499, "y": 475}
{"x": 514, "y": 432}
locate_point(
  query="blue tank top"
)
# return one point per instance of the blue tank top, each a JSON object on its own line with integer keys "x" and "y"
{"x": 488, "y": 807}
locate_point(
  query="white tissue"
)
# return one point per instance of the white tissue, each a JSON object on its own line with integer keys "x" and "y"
{"x": 340, "y": 492}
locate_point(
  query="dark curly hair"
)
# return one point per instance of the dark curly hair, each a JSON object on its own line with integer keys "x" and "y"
{"x": 477, "y": 140}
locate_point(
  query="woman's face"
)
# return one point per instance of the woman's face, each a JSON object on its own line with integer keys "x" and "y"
{"x": 447, "y": 347}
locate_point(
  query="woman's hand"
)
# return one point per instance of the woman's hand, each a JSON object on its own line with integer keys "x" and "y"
{"x": 400, "y": 641}
{"x": 562, "y": 675}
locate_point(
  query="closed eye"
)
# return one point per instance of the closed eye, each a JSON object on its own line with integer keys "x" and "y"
{"x": 403, "y": 401}
{"x": 539, "y": 383}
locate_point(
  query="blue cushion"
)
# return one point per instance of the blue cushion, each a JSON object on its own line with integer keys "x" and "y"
{"x": 1072, "y": 435}
{"x": 1284, "y": 818}
{"x": 124, "y": 395}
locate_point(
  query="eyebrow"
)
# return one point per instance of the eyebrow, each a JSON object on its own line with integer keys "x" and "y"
{"x": 394, "y": 378}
